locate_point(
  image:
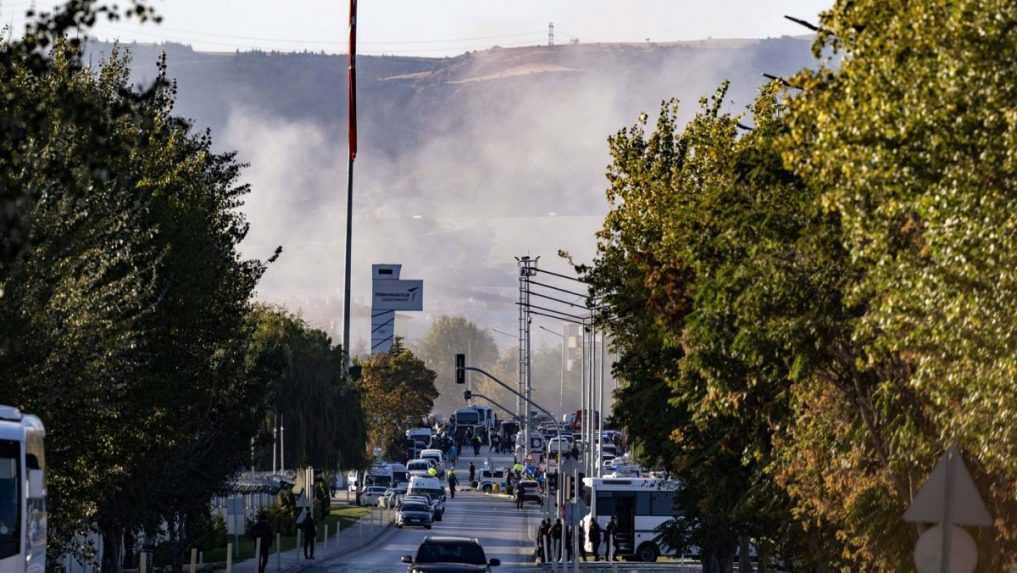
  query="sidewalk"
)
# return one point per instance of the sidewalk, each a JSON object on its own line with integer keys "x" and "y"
{"x": 360, "y": 534}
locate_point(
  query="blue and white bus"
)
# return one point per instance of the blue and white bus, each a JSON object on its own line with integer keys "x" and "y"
{"x": 22, "y": 493}
{"x": 639, "y": 507}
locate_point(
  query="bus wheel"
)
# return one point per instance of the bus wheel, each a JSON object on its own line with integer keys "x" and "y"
{"x": 487, "y": 488}
{"x": 647, "y": 552}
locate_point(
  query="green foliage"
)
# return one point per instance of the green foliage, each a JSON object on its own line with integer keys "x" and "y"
{"x": 398, "y": 393}
{"x": 123, "y": 299}
{"x": 448, "y": 336}
{"x": 324, "y": 425}
{"x": 825, "y": 302}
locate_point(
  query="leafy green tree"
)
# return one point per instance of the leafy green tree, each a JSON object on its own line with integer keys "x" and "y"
{"x": 398, "y": 392}
{"x": 320, "y": 410}
{"x": 124, "y": 299}
{"x": 448, "y": 336}
{"x": 909, "y": 138}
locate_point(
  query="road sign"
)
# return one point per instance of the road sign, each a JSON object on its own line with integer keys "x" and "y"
{"x": 398, "y": 295}
{"x": 948, "y": 498}
{"x": 966, "y": 505}
{"x": 929, "y": 551}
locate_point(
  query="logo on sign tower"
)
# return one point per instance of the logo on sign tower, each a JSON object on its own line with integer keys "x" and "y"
{"x": 389, "y": 293}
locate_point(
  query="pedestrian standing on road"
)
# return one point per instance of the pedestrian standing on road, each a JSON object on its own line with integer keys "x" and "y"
{"x": 570, "y": 550}
{"x": 519, "y": 495}
{"x": 543, "y": 540}
{"x": 476, "y": 445}
{"x": 263, "y": 531}
{"x": 453, "y": 454}
{"x": 608, "y": 538}
{"x": 310, "y": 532}
{"x": 473, "y": 473}
{"x": 556, "y": 540}
{"x": 595, "y": 538}
{"x": 495, "y": 445}
{"x": 452, "y": 482}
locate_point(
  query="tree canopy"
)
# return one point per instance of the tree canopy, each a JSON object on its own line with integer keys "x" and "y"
{"x": 125, "y": 306}
{"x": 823, "y": 300}
{"x": 448, "y": 336}
{"x": 398, "y": 393}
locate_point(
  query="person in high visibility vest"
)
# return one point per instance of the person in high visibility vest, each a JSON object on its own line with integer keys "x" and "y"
{"x": 432, "y": 472}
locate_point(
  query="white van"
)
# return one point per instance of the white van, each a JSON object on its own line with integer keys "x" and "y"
{"x": 433, "y": 489}
{"x": 419, "y": 467}
{"x": 439, "y": 460}
{"x": 556, "y": 445}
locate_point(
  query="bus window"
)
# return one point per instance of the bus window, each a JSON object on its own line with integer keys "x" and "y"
{"x": 606, "y": 504}
{"x": 10, "y": 499}
{"x": 662, "y": 503}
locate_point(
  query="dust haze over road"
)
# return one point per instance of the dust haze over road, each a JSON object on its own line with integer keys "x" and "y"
{"x": 464, "y": 162}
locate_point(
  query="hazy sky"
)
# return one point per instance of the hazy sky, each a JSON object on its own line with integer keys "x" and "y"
{"x": 446, "y": 27}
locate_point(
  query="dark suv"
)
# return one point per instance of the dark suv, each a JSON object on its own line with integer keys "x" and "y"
{"x": 450, "y": 555}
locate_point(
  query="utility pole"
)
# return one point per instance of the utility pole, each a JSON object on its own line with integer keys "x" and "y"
{"x": 527, "y": 268}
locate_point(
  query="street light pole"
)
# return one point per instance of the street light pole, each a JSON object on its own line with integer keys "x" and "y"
{"x": 529, "y": 402}
{"x": 561, "y": 389}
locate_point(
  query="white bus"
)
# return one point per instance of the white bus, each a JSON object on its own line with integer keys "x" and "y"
{"x": 22, "y": 493}
{"x": 639, "y": 507}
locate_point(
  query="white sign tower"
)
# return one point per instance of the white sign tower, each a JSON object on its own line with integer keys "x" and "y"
{"x": 389, "y": 294}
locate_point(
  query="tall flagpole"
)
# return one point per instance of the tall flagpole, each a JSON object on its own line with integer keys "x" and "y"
{"x": 351, "y": 97}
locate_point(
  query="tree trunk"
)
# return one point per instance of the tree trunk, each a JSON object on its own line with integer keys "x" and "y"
{"x": 710, "y": 563}
{"x": 112, "y": 546}
{"x": 176, "y": 543}
{"x": 744, "y": 561}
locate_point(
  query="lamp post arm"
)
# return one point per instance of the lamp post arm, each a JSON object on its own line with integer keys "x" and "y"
{"x": 557, "y": 426}
{"x": 505, "y": 386}
{"x": 509, "y": 412}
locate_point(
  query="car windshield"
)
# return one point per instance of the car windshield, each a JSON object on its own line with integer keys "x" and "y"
{"x": 416, "y": 507}
{"x": 10, "y": 516}
{"x": 451, "y": 552}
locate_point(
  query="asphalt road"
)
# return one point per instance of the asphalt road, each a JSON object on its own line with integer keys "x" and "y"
{"x": 502, "y": 530}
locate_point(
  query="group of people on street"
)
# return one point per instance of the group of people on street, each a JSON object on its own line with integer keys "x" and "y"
{"x": 549, "y": 538}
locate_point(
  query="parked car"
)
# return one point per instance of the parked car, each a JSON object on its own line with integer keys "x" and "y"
{"x": 554, "y": 445}
{"x": 419, "y": 467}
{"x": 437, "y": 506}
{"x": 447, "y": 554}
{"x": 371, "y": 495}
{"x": 414, "y": 513}
{"x": 392, "y": 496}
{"x": 438, "y": 458}
{"x": 531, "y": 491}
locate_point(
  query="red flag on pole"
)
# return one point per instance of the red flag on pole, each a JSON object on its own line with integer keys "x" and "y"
{"x": 352, "y": 83}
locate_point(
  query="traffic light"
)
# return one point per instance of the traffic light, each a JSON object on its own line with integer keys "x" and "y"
{"x": 460, "y": 369}
{"x": 467, "y": 395}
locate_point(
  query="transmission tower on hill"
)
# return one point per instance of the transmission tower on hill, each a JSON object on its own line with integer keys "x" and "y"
{"x": 550, "y": 34}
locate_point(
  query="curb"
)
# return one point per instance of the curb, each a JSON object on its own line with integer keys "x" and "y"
{"x": 341, "y": 553}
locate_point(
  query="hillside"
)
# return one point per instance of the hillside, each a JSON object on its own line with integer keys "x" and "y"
{"x": 480, "y": 156}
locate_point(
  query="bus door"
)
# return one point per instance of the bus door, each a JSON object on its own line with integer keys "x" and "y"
{"x": 625, "y": 516}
